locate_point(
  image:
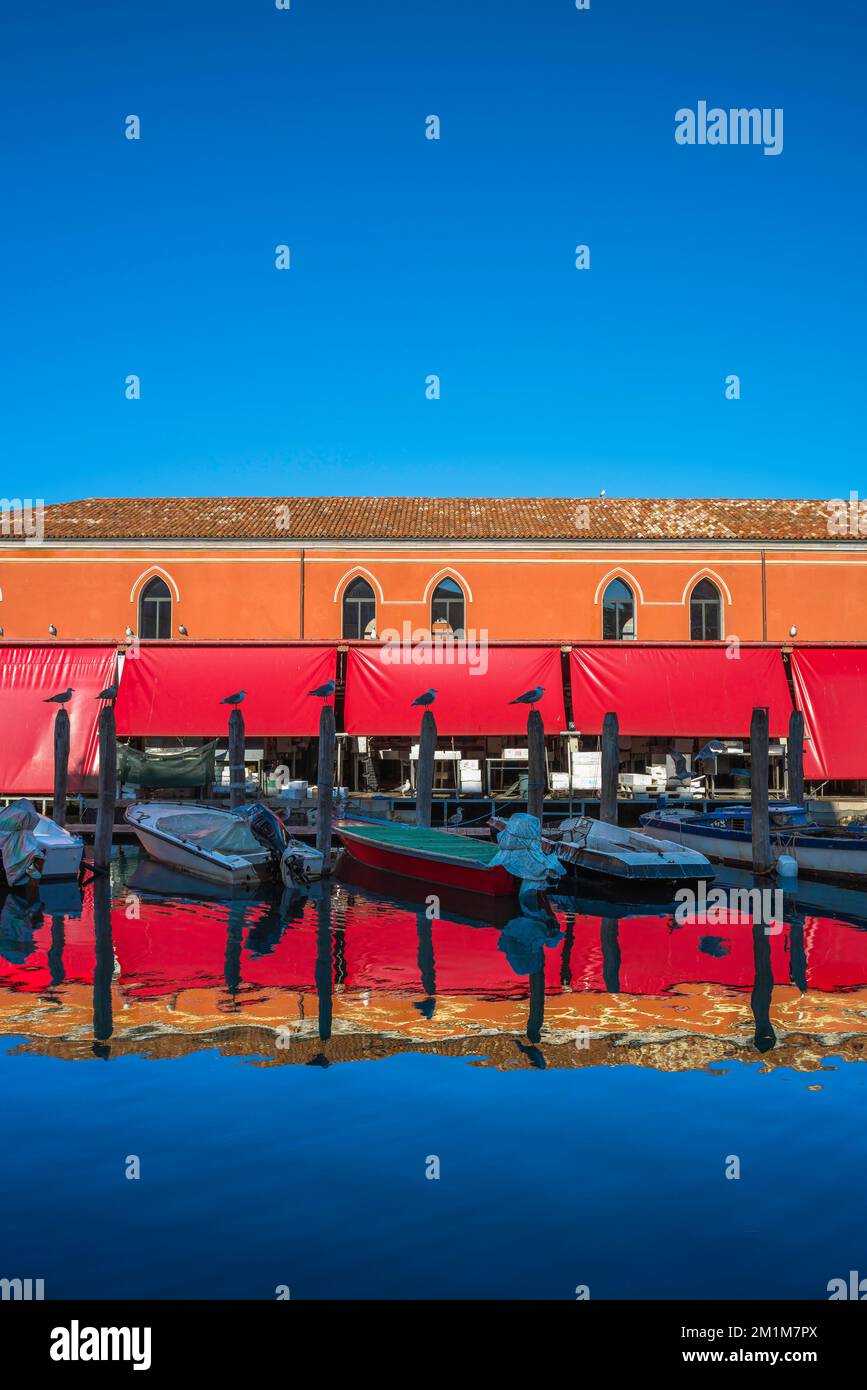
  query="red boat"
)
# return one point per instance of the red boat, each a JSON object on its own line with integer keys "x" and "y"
{"x": 432, "y": 856}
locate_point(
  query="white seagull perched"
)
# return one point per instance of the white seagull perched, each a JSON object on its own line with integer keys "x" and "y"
{"x": 324, "y": 691}
{"x": 236, "y": 699}
{"x": 427, "y": 698}
{"x": 457, "y": 818}
{"x": 60, "y": 699}
{"x": 530, "y": 697}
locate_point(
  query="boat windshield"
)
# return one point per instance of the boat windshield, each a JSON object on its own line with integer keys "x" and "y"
{"x": 223, "y": 834}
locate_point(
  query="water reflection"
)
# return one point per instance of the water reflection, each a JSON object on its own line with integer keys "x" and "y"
{"x": 356, "y": 970}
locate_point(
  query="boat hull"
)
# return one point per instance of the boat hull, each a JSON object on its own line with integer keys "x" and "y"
{"x": 494, "y": 882}
{"x": 820, "y": 856}
{"x": 227, "y": 870}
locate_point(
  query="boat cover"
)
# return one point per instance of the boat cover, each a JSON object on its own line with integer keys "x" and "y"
{"x": 210, "y": 830}
{"x": 520, "y": 851}
{"x": 184, "y": 767}
{"x": 20, "y": 849}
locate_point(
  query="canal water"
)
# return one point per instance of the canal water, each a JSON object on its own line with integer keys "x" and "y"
{"x": 333, "y": 1094}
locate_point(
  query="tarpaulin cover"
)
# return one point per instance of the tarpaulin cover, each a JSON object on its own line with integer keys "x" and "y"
{"x": 188, "y": 767}
{"x": 176, "y": 690}
{"x": 830, "y": 687}
{"x": 28, "y": 676}
{"x": 679, "y": 692}
{"x": 470, "y": 699}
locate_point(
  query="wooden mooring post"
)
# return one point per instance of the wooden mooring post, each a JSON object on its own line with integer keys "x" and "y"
{"x": 537, "y": 780}
{"x": 61, "y": 765}
{"x": 107, "y": 789}
{"x": 424, "y": 775}
{"x": 610, "y": 768}
{"x": 237, "y": 771}
{"x": 795, "y": 757}
{"x": 762, "y": 859}
{"x": 325, "y": 786}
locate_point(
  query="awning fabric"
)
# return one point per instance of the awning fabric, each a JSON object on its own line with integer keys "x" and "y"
{"x": 176, "y": 690}
{"x": 28, "y": 676}
{"x": 678, "y": 692}
{"x": 471, "y": 699}
{"x": 830, "y": 687}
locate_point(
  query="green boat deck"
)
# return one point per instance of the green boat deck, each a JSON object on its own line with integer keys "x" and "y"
{"x": 420, "y": 841}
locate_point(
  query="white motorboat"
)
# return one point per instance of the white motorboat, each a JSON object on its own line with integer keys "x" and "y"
{"x": 588, "y": 846}
{"x": 835, "y": 852}
{"x": 221, "y": 846}
{"x": 34, "y": 848}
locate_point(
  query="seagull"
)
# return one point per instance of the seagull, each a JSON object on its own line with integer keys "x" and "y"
{"x": 457, "y": 818}
{"x": 530, "y": 697}
{"x": 236, "y": 699}
{"x": 709, "y": 751}
{"x": 324, "y": 691}
{"x": 52, "y": 630}
{"x": 60, "y": 699}
{"x": 427, "y": 698}
{"x": 129, "y": 634}
{"x": 681, "y": 771}
{"x": 110, "y": 693}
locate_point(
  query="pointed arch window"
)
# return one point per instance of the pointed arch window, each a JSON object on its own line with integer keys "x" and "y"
{"x": 705, "y": 612}
{"x": 618, "y": 612}
{"x": 155, "y": 609}
{"x": 359, "y": 609}
{"x": 448, "y": 606}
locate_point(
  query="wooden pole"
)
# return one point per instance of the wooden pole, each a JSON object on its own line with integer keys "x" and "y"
{"x": 107, "y": 789}
{"x": 61, "y": 765}
{"x": 325, "y": 786}
{"x": 425, "y": 772}
{"x": 536, "y": 778}
{"x": 237, "y": 775}
{"x": 610, "y": 768}
{"x": 103, "y": 966}
{"x": 762, "y": 860}
{"x": 795, "y": 751}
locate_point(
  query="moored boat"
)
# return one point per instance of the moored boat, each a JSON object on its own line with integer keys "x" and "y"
{"x": 726, "y": 834}
{"x": 225, "y": 847}
{"x": 33, "y": 848}
{"x": 437, "y": 857}
{"x": 615, "y": 852}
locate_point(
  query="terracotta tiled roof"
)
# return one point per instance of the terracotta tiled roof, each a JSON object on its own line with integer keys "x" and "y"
{"x": 437, "y": 518}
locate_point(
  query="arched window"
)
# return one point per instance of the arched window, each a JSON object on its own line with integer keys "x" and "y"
{"x": 447, "y": 606}
{"x": 155, "y": 609}
{"x": 618, "y": 612}
{"x": 705, "y": 612}
{"x": 359, "y": 609}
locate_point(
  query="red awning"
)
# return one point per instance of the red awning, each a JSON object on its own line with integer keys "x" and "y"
{"x": 28, "y": 676}
{"x": 176, "y": 690}
{"x": 678, "y": 691}
{"x": 471, "y": 699}
{"x": 829, "y": 687}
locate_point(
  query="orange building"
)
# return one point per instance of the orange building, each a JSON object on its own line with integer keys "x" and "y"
{"x": 511, "y": 568}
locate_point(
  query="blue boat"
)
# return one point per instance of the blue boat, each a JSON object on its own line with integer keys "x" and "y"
{"x": 833, "y": 852}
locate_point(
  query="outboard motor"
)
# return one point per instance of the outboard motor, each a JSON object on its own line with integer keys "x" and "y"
{"x": 267, "y": 828}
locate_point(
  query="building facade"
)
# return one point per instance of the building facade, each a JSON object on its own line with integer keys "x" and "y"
{"x": 511, "y": 569}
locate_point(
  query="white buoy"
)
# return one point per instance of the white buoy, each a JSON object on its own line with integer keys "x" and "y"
{"x": 787, "y": 867}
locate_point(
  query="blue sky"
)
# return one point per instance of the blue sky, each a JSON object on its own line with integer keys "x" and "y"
{"x": 412, "y": 256}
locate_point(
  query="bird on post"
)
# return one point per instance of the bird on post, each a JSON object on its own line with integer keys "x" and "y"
{"x": 60, "y": 699}
{"x": 426, "y": 699}
{"x": 324, "y": 692}
{"x": 530, "y": 697}
{"x": 711, "y": 750}
{"x": 110, "y": 693}
{"x": 236, "y": 699}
